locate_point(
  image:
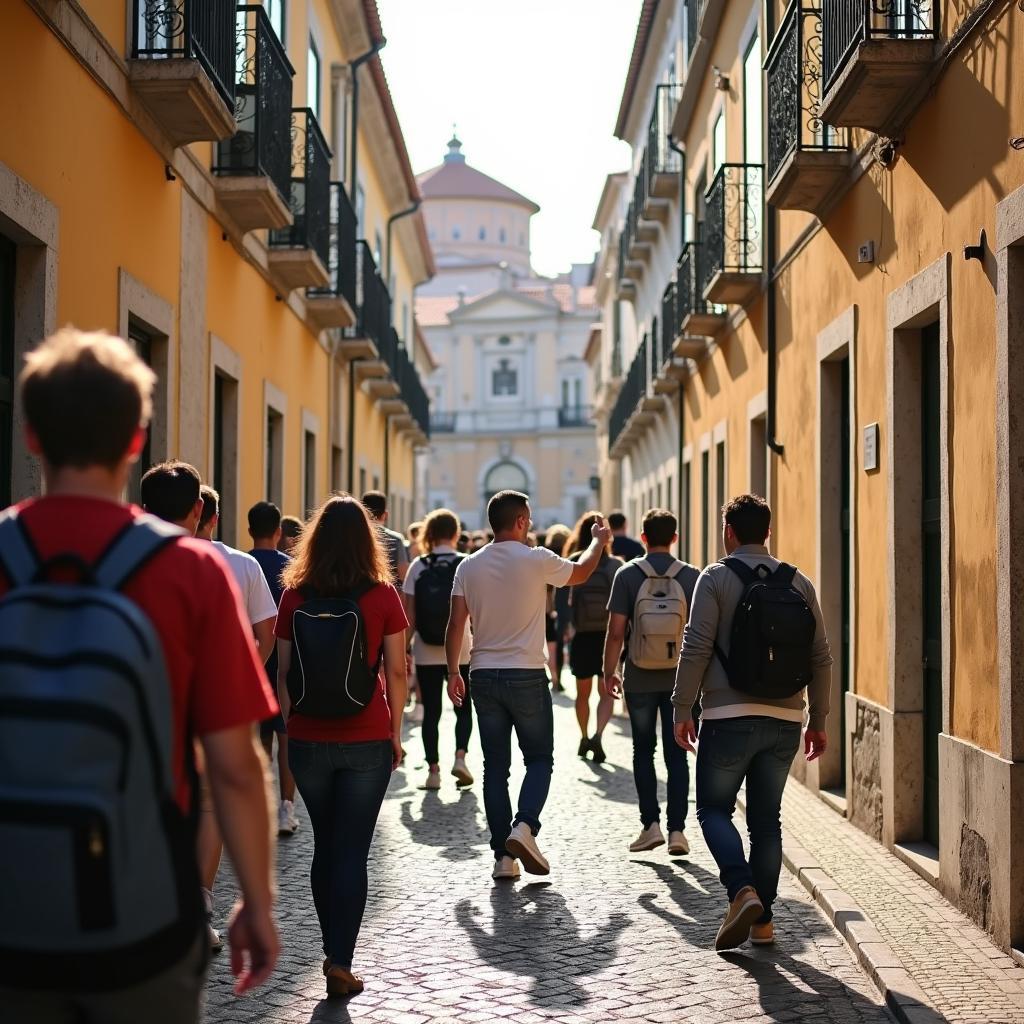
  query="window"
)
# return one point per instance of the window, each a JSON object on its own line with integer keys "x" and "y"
{"x": 758, "y": 457}
{"x": 362, "y": 481}
{"x": 360, "y": 209}
{"x": 616, "y": 338}
{"x": 504, "y": 380}
{"x": 378, "y": 248}
{"x": 577, "y": 392}
{"x": 8, "y": 251}
{"x": 225, "y": 452}
{"x": 719, "y": 483}
{"x": 718, "y": 142}
{"x": 274, "y": 482}
{"x": 565, "y": 394}
{"x": 753, "y": 148}
{"x": 456, "y": 232}
{"x": 669, "y": 496}
{"x": 405, "y": 324}
{"x": 504, "y": 340}
{"x": 684, "y": 514}
{"x": 142, "y": 341}
{"x": 705, "y": 501}
{"x": 308, "y": 471}
{"x": 337, "y": 465}
{"x": 505, "y": 476}
{"x": 502, "y": 235}
{"x": 313, "y": 79}
{"x": 276, "y": 16}
{"x": 376, "y": 483}
{"x": 482, "y": 234}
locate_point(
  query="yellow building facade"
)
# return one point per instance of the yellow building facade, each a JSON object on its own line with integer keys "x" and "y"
{"x": 182, "y": 174}
{"x": 819, "y": 247}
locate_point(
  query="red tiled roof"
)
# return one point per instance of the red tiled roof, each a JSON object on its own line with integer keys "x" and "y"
{"x": 643, "y": 33}
{"x": 433, "y": 310}
{"x": 455, "y": 179}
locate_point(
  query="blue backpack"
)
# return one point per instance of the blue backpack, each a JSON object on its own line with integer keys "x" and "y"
{"x": 101, "y": 889}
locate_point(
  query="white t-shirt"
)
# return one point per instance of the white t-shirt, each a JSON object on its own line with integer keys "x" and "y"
{"x": 505, "y": 586}
{"x": 256, "y": 596}
{"x": 422, "y": 652}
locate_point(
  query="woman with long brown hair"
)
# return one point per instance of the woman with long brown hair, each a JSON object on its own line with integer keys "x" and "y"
{"x": 557, "y": 616}
{"x": 589, "y": 619}
{"x": 340, "y": 621}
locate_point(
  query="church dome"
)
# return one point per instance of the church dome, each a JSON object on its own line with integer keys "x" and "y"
{"x": 455, "y": 179}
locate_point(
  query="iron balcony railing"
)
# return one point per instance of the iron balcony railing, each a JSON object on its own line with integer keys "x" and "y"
{"x": 373, "y": 301}
{"x": 202, "y": 30}
{"x": 691, "y": 271}
{"x": 660, "y": 157}
{"x": 310, "y": 194}
{"x": 410, "y": 387}
{"x": 341, "y": 248}
{"x": 669, "y": 321}
{"x": 734, "y": 221}
{"x": 624, "y": 249}
{"x": 847, "y": 23}
{"x": 634, "y": 388}
{"x": 694, "y": 9}
{"x": 263, "y": 104}
{"x": 793, "y": 68}
{"x": 574, "y": 416}
{"x": 442, "y": 423}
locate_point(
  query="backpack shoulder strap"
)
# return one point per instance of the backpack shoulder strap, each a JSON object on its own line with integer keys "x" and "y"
{"x": 18, "y": 556}
{"x": 646, "y": 568}
{"x": 784, "y": 574}
{"x": 675, "y": 569}
{"x": 741, "y": 569}
{"x": 132, "y": 548}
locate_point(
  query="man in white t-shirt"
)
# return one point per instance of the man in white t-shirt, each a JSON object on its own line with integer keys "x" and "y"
{"x": 502, "y": 588}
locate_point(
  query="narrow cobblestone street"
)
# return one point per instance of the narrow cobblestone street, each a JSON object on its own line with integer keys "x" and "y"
{"x": 607, "y": 937}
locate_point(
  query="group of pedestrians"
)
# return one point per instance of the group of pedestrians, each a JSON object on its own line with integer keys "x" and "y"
{"x": 150, "y": 669}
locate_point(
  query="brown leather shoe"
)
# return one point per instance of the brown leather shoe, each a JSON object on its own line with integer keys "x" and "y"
{"x": 743, "y": 912}
{"x": 343, "y": 983}
{"x": 762, "y": 934}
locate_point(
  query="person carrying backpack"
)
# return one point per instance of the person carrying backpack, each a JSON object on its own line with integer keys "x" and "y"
{"x": 649, "y": 606}
{"x": 755, "y": 641}
{"x": 341, "y": 682}
{"x": 589, "y": 618}
{"x": 428, "y": 598}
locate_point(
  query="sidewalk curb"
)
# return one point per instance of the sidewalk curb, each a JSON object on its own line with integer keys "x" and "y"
{"x": 904, "y": 997}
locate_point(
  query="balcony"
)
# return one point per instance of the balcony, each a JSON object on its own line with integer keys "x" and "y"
{"x": 635, "y": 407}
{"x": 667, "y": 369}
{"x": 333, "y": 305}
{"x": 183, "y": 66}
{"x": 662, "y": 164}
{"x": 697, "y": 318}
{"x": 443, "y": 422}
{"x": 625, "y": 285}
{"x": 732, "y": 259}
{"x": 875, "y": 53}
{"x": 254, "y": 166}
{"x": 299, "y": 253}
{"x": 572, "y": 416}
{"x": 415, "y": 417}
{"x": 807, "y": 159}
{"x": 371, "y": 332}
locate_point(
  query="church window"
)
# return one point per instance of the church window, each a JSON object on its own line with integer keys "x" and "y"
{"x": 504, "y": 380}
{"x": 483, "y": 234}
{"x": 501, "y": 236}
{"x": 504, "y": 340}
{"x": 456, "y": 232}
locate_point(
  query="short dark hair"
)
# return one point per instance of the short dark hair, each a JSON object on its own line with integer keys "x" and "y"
{"x": 376, "y": 503}
{"x": 504, "y": 508}
{"x": 291, "y": 526}
{"x": 750, "y": 517}
{"x": 211, "y": 504}
{"x": 659, "y": 526}
{"x": 617, "y": 519}
{"x": 264, "y": 520}
{"x": 170, "y": 490}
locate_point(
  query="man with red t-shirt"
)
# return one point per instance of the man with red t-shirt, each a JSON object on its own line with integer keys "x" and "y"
{"x": 87, "y": 401}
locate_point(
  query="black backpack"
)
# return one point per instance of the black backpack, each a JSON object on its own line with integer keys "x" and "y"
{"x": 328, "y": 676}
{"x": 433, "y": 596}
{"x": 772, "y": 633}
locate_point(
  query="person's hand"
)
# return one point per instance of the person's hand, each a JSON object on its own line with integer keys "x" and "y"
{"x": 601, "y": 531}
{"x": 686, "y": 735}
{"x": 611, "y": 685}
{"x": 397, "y": 752}
{"x": 456, "y": 689}
{"x": 252, "y": 937}
{"x": 814, "y": 744}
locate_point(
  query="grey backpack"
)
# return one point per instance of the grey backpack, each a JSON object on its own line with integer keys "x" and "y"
{"x": 98, "y": 862}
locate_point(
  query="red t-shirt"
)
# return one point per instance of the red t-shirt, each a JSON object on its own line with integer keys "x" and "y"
{"x": 384, "y": 615}
{"x": 190, "y": 597}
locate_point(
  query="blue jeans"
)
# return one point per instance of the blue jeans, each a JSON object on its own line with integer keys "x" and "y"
{"x": 343, "y": 787}
{"x": 520, "y": 699}
{"x": 759, "y": 750}
{"x": 643, "y": 717}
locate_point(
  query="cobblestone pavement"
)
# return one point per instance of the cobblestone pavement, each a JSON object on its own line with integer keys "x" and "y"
{"x": 963, "y": 973}
{"x": 606, "y": 937}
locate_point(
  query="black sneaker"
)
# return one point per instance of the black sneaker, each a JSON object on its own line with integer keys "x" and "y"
{"x": 584, "y": 747}
{"x": 597, "y": 750}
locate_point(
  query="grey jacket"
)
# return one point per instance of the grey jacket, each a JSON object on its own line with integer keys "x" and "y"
{"x": 715, "y": 598}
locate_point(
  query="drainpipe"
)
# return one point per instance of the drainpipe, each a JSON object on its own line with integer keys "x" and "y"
{"x": 352, "y": 427}
{"x": 407, "y": 212}
{"x": 682, "y": 384}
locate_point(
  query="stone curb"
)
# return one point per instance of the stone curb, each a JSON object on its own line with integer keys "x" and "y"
{"x": 904, "y": 997}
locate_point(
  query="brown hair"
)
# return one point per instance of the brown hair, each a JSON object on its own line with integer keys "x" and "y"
{"x": 556, "y": 536}
{"x": 442, "y": 524}
{"x": 505, "y": 508}
{"x": 750, "y": 517}
{"x": 580, "y": 538}
{"x": 338, "y": 550}
{"x": 659, "y": 526}
{"x": 85, "y": 395}
{"x": 211, "y": 504}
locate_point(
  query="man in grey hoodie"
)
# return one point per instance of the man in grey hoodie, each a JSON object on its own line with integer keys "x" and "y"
{"x": 744, "y": 736}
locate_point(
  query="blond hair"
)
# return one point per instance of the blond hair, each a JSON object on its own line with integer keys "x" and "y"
{"x": 442, "y": 524}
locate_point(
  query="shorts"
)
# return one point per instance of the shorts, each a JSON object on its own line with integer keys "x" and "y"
{"x": 271, "y": 725}
{"x": 586, "y": 655}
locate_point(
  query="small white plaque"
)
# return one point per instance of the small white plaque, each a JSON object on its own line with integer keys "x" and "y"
{"x": 871, "y": 447}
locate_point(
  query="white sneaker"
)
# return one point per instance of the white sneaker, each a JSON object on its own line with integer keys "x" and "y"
{"x": 677, "y": 844}
{"x": 462, "y": 774}
{"x": 505, "y": 868}
{"x": 522, "y": 844}
{"x": 287, "y": 823}
{"x": 213, "y": 936}
{"x": 416, "y": 715}
{"x": 649, "y": 839}
{"x": 433, "y": 779}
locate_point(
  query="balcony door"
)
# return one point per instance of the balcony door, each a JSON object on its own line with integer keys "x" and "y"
{"x": 753, "y": 146}
{"x": 8, "y": 252}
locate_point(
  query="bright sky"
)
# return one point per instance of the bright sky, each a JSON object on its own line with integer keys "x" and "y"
{"x": 534, "y": 88}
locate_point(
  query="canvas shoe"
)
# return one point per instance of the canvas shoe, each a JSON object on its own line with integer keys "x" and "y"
{"x": 762, "y": 934}
{"x": 505, "y": 868}
{"x": 523, "y": 845}
{"x": 463, "y": 776}
{"x": 677, "y": 844}
{"x": 287, "y": 823}
{"x": 743, "y": 912}
{"x": 649, "y": 839}
{"x": 433, "y": 779}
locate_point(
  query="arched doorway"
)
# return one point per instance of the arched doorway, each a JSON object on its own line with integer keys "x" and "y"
{"x": 504, "y": 476}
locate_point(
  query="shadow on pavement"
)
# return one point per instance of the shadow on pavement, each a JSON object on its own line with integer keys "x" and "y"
{"x": 535, "y": 936}
{"x": 453, "y": 828}
{"x": 611, "y": 781}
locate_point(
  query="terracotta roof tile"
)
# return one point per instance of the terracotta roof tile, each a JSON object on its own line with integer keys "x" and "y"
{"x": 457, "y": 180}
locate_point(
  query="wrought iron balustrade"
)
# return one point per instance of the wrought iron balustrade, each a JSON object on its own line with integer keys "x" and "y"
{"x": 574, "y": 416}
{"x": 442, "y": 422}
{"x": 623, "y": 249}
{"x": 694, "y": 9}
{"x": 202, "y": 30}
{"x": 732, "y": 239}
{"x": 847, "y": 23}
{"x": 794, "y": 72}
{"x": 373, "y": 301}
{"x": 310, "y": 196}
{"x": 659, "y": 156}
{"x": 634, "y": 388}
{"x": 669, "y": 320}
{"x": 263, "y": 104}
{"x": 341, "y": 247}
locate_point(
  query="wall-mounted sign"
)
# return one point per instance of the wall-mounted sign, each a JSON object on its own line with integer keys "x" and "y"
{"x": 871, "y": 448}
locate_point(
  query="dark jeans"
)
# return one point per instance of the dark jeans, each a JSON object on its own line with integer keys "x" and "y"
{"x": 343, "y": 786}
{"x": 759, "y": 750}
{"x": 520, "y": 699}
{"x": 432, "y": 679}
{"x": 643, "y": 717}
